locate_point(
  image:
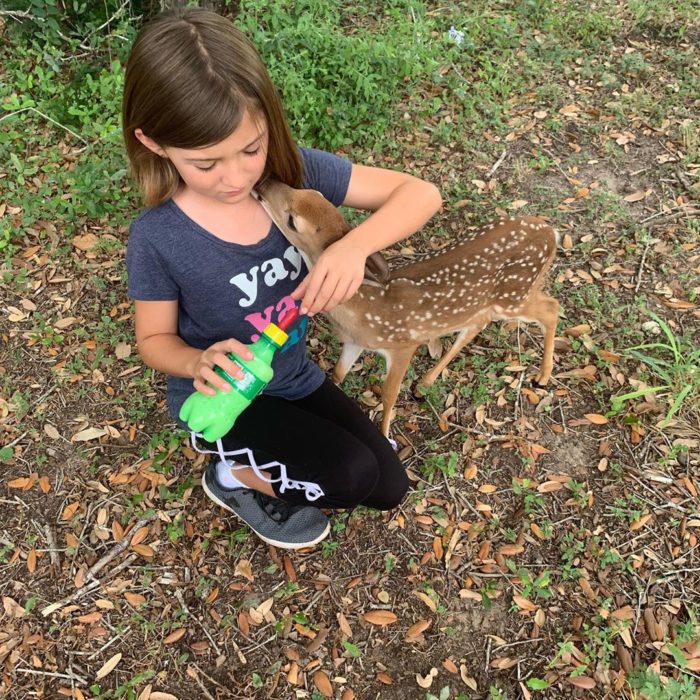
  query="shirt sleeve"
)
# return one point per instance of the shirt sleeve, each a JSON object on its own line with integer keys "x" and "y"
{"x": 327, "y": 173}
{"x": 148, "y": 277}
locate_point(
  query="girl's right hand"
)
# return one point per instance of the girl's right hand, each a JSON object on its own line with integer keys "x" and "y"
{"x": 206, "y": 380}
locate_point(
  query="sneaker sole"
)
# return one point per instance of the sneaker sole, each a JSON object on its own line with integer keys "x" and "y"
{"x": 269, "y": 540}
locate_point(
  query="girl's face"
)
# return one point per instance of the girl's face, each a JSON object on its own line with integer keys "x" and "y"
{"x": 226, "y": 171}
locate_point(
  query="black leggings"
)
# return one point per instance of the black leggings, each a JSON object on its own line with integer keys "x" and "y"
{"x": 324, "y": 438}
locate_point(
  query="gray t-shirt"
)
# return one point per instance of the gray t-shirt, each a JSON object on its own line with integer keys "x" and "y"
{"x": 226, "y": 290}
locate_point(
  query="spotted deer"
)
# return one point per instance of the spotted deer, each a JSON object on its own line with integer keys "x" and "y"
{"x": 497, "y": 274}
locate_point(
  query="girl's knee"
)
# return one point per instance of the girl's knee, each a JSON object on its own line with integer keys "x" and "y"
{"x": 362, "y": 477}
{"x": 393, "y": 492}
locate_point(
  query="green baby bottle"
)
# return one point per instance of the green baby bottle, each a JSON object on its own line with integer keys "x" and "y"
{"x": 214, "y": 416}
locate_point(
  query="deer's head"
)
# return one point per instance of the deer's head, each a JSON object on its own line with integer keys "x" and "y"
{"x": 311, "y": 223}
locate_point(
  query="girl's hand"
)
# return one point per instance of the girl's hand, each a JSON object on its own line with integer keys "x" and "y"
{"x": 334, "y": 278}
{"x": 206, "y": 380}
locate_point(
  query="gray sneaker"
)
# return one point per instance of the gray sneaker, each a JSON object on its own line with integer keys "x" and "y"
{"x": 275, "y": 521}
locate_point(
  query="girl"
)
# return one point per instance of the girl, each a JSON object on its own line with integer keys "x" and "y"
{"x": 203, "y": 125}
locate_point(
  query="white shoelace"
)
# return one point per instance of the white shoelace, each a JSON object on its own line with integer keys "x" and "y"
{"x": 311, "y": 490}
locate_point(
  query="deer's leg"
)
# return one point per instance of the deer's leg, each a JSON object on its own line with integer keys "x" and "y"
{"x": 397, "y": 361}
{"x": 348, "y": 356}
{"x": 463, "y": 338}
{"x": 544, "y": 310}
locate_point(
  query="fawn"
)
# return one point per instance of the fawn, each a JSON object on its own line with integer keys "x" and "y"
{"x": 495, "y": 275}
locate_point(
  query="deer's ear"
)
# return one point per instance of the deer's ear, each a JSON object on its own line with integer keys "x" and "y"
{"x": 376, "y": 270}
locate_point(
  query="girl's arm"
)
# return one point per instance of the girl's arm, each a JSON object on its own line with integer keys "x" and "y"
{"x": 401, "y": 204}
{"x": 164, "y": 350}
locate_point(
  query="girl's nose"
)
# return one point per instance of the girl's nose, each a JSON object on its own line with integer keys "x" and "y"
{"x": 232, "y": 177}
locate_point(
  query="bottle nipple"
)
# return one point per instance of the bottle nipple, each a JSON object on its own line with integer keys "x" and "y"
{"x": 288, "y": 318}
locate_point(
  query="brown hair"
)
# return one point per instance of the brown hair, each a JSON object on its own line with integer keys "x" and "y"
{"x": 189, "y": 80}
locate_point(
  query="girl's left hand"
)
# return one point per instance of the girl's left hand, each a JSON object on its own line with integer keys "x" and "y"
{"x": 334, "y": 278}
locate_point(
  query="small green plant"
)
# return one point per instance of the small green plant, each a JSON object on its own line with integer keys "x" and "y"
{"x": 676, "y": 362}
{"x": 328, "y": 547}
{"x": 533, "y": 501}
{"x": 652, "y": 687}
{"x": 435, "y": 464}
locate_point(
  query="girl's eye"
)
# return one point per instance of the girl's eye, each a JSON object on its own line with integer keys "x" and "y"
{"x": 209, "y": 167}
{"x": 253, "y": 152}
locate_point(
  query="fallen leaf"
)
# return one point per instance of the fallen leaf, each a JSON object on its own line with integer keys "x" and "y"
{"x": 344, "y": 625}
{"x": 144, "y": 550}
{"x": 64, "y": 323}
{"x": 636, "y": 197}
{"x": 576, "y": 331}
{"x": 426, "y": 599}
{"x": 90, "y": 618}
{"x": 70, "y": 510}
{"x": 524, "y": 603}
{"x": 122, "y": 351}
{"x": 639, "y": 524}
{"x": 134, "y": 599}
{"x": 24, "y": 482}
{"x": 108, "y": 667}
{"x": 549, "y": 486}
{"x": 323, "y": 684}
{"x": 511, "y": 549}
{"x": 88, "y": 434}
{"x": 243, "y": 568}
{"x": 380, "y": 617}
{"x": 427, "y": 680}
{"x": 596, "y": 418}
{"x": 582, "y": 682}
{"x": 12, "y": 607}
{"x": 140, "y": 535}
{"x": 85, "y": 242}
{"x": 416, "y": 629}
{"x": 449, "y": 666}
{"x": 51, "y": 431}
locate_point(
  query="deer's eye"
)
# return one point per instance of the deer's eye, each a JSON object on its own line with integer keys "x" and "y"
{"x": 290, "y": 223}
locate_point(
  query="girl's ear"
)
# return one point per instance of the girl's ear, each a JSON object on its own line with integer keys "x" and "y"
{"x": 149, "y": 143}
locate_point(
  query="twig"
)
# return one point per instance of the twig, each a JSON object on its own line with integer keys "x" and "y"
{"x": 118, "y": 548}
{"x": 512, "y": 644}
{"x": 16, "y": 440}
{"x": 673, "y": 211}
{"x": 53, "y": 547}
{"x": 497, "y": 164}
{"x": 195, "y": 677}
{"x": 178, "y": 595}
{"x": 122, "y": 635}
{"x": 104, "y": 24}
{"x": 17, "y": 14}
{"x": 215, "y": 682}
{"x": 53, "y": 674}
{"x": 48, "y": 118}
{"x": 69, "y": 599}
{"x": 641, "y": 268}
{"x": 87, "y": 589}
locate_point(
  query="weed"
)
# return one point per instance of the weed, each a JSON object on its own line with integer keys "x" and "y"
{"x": 676, "y": 362}
{"x": 652, "y": 687}
{"x": 533, "y": 501}
{"x": 436, "y": 464}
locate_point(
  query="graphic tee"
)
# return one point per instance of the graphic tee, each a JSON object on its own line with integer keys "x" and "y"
{"x": 226, "y": 290}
